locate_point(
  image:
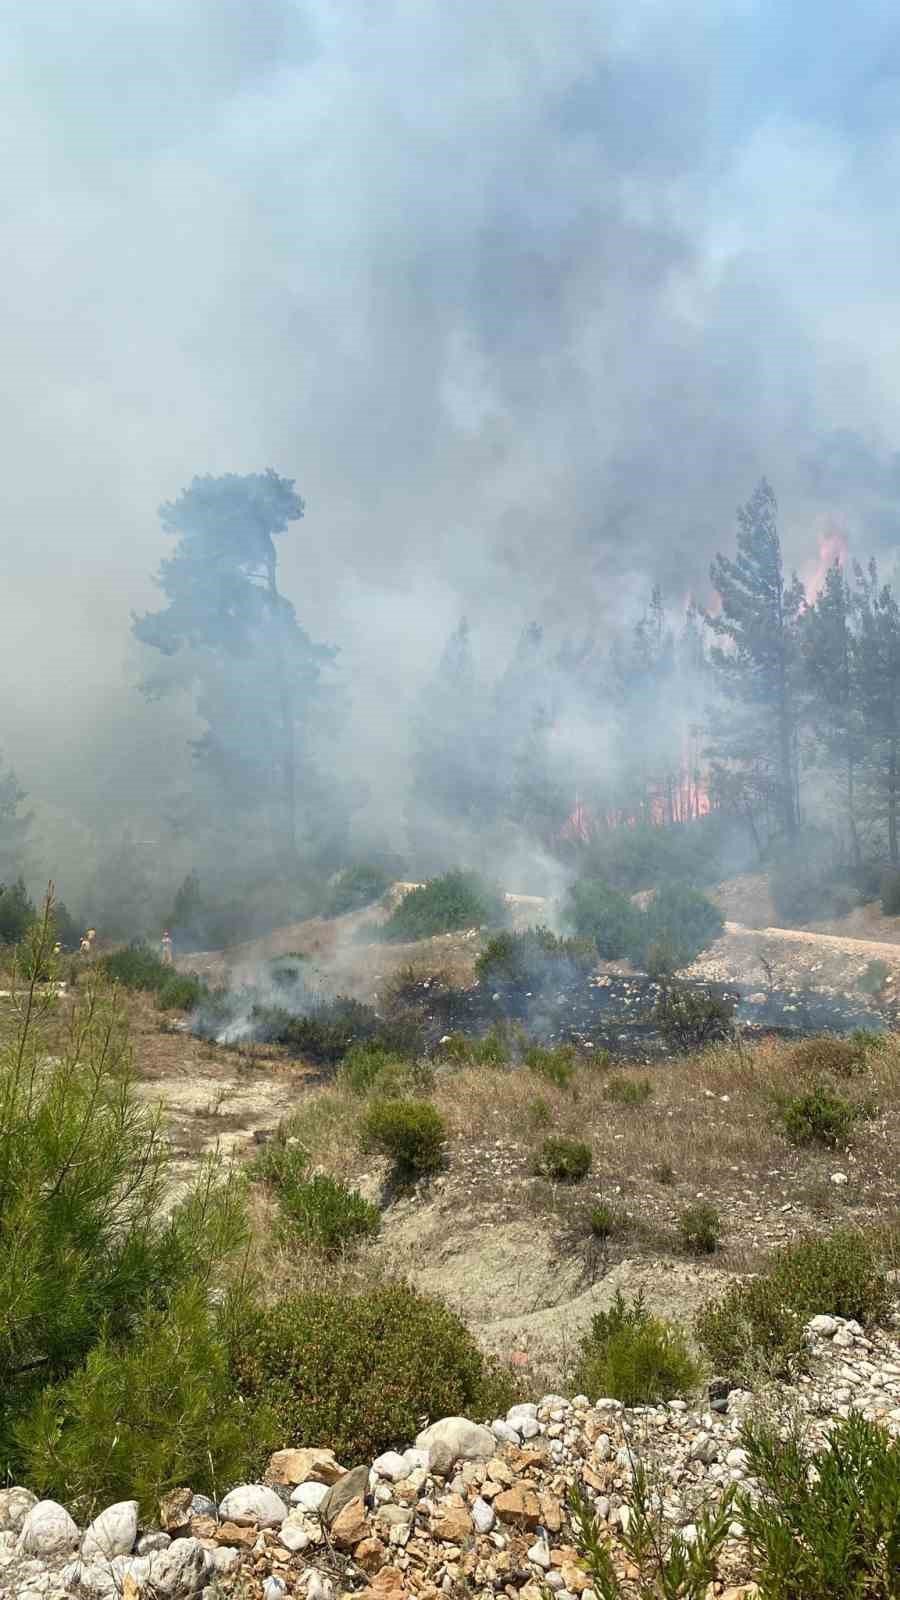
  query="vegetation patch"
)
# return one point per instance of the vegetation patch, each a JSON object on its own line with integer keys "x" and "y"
{"x": 534, "y": 958}
{"x": 596, "y": 911}
{"x": 634, "y": 1357}
{"x": 700, "y": 1228}
{"x": 354, "y": 888}
{"x": 411, "y": 1132}
{"x": 563, "y": 1160}
{"x": 690, "y": 1018}
{"x": 557, "y": 1065}
{"x": 821, "y": 1116}
{"x": 443, "y": 905}
{"x": 842, "y": 1058}
{"x": 607, "y": 1221}
{"x": 329, "y": 1030}
{"x": 624, "y": 1091}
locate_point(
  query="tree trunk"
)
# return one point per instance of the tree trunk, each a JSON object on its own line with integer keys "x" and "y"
{"x": 851, "y": 815}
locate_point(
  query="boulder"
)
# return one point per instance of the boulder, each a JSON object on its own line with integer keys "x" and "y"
{"x": 291, "y": 1467}
{"x": 175, "y": 1510}
{"x": 182, "y": 1570}
{"x": 309, "y": 1495}
{"x": 518, "y": 1505}
{"x": 253, "y": 1504}
{"x": 455, "y": 1439}
{"x": 15, "y": 1505}
{"x": 113, "y": 1533}
{"x": 47, "y": 1530}
{"x": 352, "y": 1486}
{"x": 349, "y": 1527}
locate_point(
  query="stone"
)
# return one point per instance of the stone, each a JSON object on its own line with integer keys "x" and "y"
{"x": 318, "y": 1587}
{"x": 518, "y": 1504}
{"x": 540, "y": 1554}
{"x": 551, "y": 1513}
{"x": 350, "y": 1527}
{"x": 175, "y": 1510}
{"x": 148, "y": 1542}
{"x": 457, "y": 1438}
{"x": 274, "y": 1589}
{"x": 352, "y": 1486}
{"x": 231, "y": 1533}
{"x": 47, "y": 1530}
{"x": 15, "y": 1504}
{"x": 452, "y": 1524}
{"x": 181, "y": 1570}
{"x": 483, "y": 1515}
{"x": 113, "y": 1533}
{"x": 309, "y": 1495}
{"x": 202, "y": 1506}
{"x": 253, "y": 1503}
{"x": 388, "y": 1584}
{"x": 293, "y": 1536}
{"x": 392, "y": 1466}
{"x": 526, "y": 1412}
{"x": 823, "y": 1327}
{"x": 291, "y": 1467}
{"x": 370, "y": 1555}
{"x": 505, "y": 1432}
{"x": 392, "y": 1516}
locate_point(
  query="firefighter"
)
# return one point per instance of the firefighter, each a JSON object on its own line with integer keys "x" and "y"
{"x": 166, "y": 948}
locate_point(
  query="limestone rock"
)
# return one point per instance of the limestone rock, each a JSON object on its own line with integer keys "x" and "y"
{"x": 350, "y": 1527}
{"x": 520, "y": 1505}
{"x": 175, "y": 1510}
{"x": 181, "y": 1570}
{"x": 253, "y": 1503}
{"x": 113, "y": 1533}
{"x": 352, "y": 1486}
{"x": 456, "y": 1439}
{"x": 47, "y": 1530}
{"x": 310, "y": 1495}
{"x": 15, "y": 1505}
{"x": 453, "y": 1524}
{"x": 291, "y": 1467}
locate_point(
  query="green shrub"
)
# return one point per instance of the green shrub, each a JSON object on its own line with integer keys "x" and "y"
{"x": 607, "y": 1220}
{"x": 760, "y": 1323}
{"x": 628, "y": 1091}
{"x": 678, "y": 919}
{"x": 843, "y": 1058}
{"x": 691, "y": 1019}
{"x": 563, "y": 1160}
{"x": 538, "y": 1114}
{"x": 354, "y": 888}
{"x": 370, "y": 1066}
{"x": 181, "y": 992}
{"x": 667, "y": 1566}
{"x": 326, "y": 1033}
{"x": 281, "y": 1163}
{"x": 820, "y": 1116}
{"x": 136, "y": 966}
{"x": 825, "y": 1522}
{"x": 664, "y": 1173}
{"x": 411, "y": 1132}
{"x": 503, "y": 1045}
{"x": 595, "y": 911}
{"x": 17, "y": 912}
{"x": 632, "y": 1356}
{"x": 457, "y": 900}
{"x": 534, "y": 958}
{"x": 140, "y": 1418}
{"x": 645, "y": 856}
{"x": 874, "y": 977}
{"x": 890, "y": 893}
{"x": 809, "y": 879}
{"x": 325, "y": 1213}
{"x": 700, "y": 1227}
{"x": 557, "y": 1065}
{"x": 363, "y": 1370}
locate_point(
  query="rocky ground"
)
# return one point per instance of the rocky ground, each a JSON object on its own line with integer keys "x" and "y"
{"x": 474, "y": 1507}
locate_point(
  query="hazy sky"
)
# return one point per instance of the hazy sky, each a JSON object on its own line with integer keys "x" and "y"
{"x": 525, "y": 294}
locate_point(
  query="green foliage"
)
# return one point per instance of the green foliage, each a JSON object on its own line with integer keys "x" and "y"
{"x": 182, "y": 992}
{"x": 557, "y": 1065}
{"x": 411, "y": 1132}
{"x": 663, "y": 1173}
{"x": 363, "y": 1370}
{"x": 634, "y": 1357}
{"x": 538, "y": 1114}
{"x": 607, "y": 1220}
{"x": 820, "y": 1116}
{"x": 563, "y": 1160}
{"x": 690, "y": 1018}
{"x": 874, "y": 977}
{"x": 890, "y": 893}
{"x": 645, "y": 856}
{"x": 501, "y": 1046}
{"x": 456, "y": 900}
{"x": 370, "y": 1066}
{"x": 824, "y": 1523}
{"x": 668, "y": 1567}
{"x": 595, "y": 911}
{"x": 681, "y": 921}
{"x": 136, "y": 966}
{"x": 281, "y": 1163}
{"x": 841, "y": 1058}
{"x": 534, "y": 958}
{"x": 328, "y": 1031}
{"x": 810, "y": 878}
{"x": 17, "y": 912}
{"x": 355, "y": 887}
{"x": 628, "y": 1091}
{"x": 328, "y": 1215}
{"x": 760, "y": 1323}
{"x": 700, "y": 1227}
{"x": 141, "y": 1417}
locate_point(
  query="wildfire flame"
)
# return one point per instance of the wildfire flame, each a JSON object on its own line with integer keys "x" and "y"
{"x": 832, "y": 547}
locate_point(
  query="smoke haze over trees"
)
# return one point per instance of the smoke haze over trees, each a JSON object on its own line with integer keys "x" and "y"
{"x": 525, "y": 300}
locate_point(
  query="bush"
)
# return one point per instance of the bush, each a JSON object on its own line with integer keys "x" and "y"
{"x": 820, "y": 1117}
{"x": 500, "y": 1047}
{"x": 691, "y": 1019}
{"x": 325, "y": 1033}
{"x": 700, "y": 1227}
{"x": 760, "y": 1323}
{"x": 182, "y": 992}
{"x": 370, "y": 1066}
{"x": 457, "y": 900}
{"x": 363, "y": 1370}
{"x": 607, "y": 1220}
{"x": 874, "y": 977}
{"x": 140, "y": 1418}
{"x": 679, "y": 920}
{"x": 17, "y": 912}
{"x": 824, "y": 1523}
{"x": 534, "y": 958}
{"x": 538, "y": 1114}
{"x": 595, "y": 911}
{"x": 325, "y": 1213}
{"x": 809, "y": 879}
{"x": 281, "y": 1163}
{"x": 557, "y": 1065}
{"x": 664, "y": 1173}
{"x": 634, "y": 1357}
{"x": 843, "y": 1058}
{"x": 563, "y": 1160}
{"x": 136, "y": 966}
{"x": 354, "y": 888}
{"x": 628, "y": 1091}
{"x": 411, "y": 1132}
{"x": 890, "y": 893}
{"x": 666, "y": 1566}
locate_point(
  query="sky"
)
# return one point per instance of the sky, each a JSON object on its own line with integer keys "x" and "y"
{"x": 524, "y": 294}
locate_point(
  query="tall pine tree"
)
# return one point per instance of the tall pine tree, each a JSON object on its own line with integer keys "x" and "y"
{"x": 833, "y": 707}
{"x": 876, "y": 653}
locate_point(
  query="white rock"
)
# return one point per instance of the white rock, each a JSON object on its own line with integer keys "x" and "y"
{"x": 540, "y": 1553}
{"x": 525, "y": 1412}
{"x": 181, "y": 1570}
{"x": 113, "y": 1533}
{"x": 505, "y": 1432}
{"x": 554, "y": 1579}
{"x": 253, "y": 1504}
{"x": 392, "y": 1466}
{"x": 416, "y": 1460}
{"x": 319, "y": 1588}
{"x": 825, "y": 1327}
{"x": 529, "y": 1428}
{"x": 482, "y": 1515}
{"x": 149, "y": 1542}
{"x": 226, "y": 1559}
{"x": 15, "y": 1505}
{"x": 48, "y": 1530}
{"x": 737, "y": 1458}
{"x": 309, "y": 1495}
{"x": 689, "y": 1533}
{"x": 457, "y": 1438}
{"x": 274, "y": 1589}
{"x": 293, "y": 1536}
{"x": 839, "y": 1179}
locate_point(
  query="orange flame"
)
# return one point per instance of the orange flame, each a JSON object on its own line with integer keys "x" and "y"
{"x": 832, "y": 547}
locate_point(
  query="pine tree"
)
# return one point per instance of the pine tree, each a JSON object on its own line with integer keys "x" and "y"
{"x": 14, "y": 825}
{"x": 876, "y": 666}
{"x": 832, "y": 700}
{"x": 755, "y": 732}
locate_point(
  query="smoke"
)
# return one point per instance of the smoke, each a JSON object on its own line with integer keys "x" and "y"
{"x": 525, "y": 297}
